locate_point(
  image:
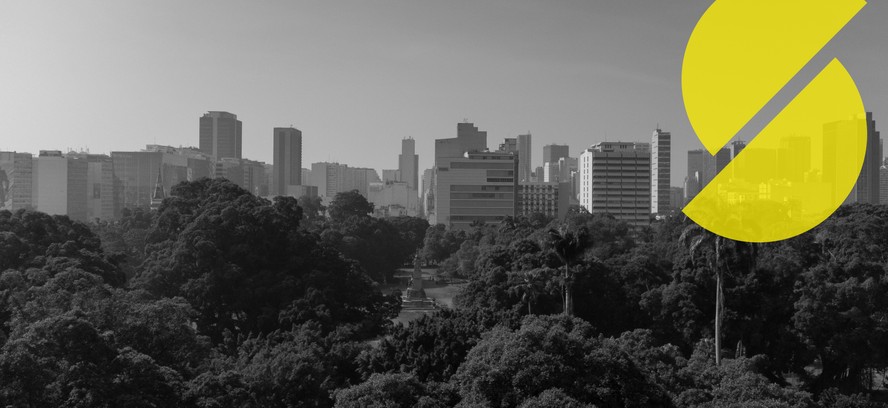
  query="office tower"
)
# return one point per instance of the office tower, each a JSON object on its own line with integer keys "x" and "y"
{"x": 661, "y": 172}
{"x": 615, "y": 178}
{"x": 868, "y": 181}
{"x": 883, "y": 184}
{"x": 481, "y": 187}
{"x": 702, "y": 168}
{"x": 249, "y": 175}
{"x": 334, "y": 178}
{"x": 509, "y": 145}
{"x": 287, "y": 159}
{"x": 16, "y": 171}
{"x": 866, "y": 188}
{"x": 525, "y": 155}
{"x": 59, "y": 185}
{"x": 676, "y": 195}
{"x": 737, "y": 146}
{"x": 553, "y": 152}
{"x": 468, "y": 139}
{"x": 408, "y": 164}
{"x": 696, "y": 178}
{"x": 100, "y": 201}
{"x": 136, "y": 173}
{"x": 549, "y": 199}
{"x": 220, "y": 135}
{"x": 794, "y": 158}
{"x": 306, "y": 177}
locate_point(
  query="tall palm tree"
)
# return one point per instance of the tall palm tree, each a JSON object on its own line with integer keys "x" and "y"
{"x": 531, "y": 287}
{"x": 694, "y": 237}
{"x": 569, "y": 245}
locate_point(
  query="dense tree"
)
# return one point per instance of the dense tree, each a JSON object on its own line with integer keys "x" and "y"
{"x": 349, "y": 204}
{"x": 569, "y": 245}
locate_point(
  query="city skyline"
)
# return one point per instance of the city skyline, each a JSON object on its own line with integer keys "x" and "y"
{"x": 365, "y": 76}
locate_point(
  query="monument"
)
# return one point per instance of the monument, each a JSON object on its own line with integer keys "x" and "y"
{"x": 415, "y": 296}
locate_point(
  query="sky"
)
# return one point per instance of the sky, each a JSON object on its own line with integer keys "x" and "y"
{"x": 358, "y": 76}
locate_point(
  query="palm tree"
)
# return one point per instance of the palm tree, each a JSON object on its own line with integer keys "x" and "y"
{"x": 531, "y": 287}
{"x": 693, "y": 237}
{"x": 569, "y": 246}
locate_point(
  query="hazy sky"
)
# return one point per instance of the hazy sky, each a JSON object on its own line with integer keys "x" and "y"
{"x": 358, "y": 76}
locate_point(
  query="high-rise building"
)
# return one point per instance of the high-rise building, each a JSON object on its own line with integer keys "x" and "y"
{"x": 866, "y": 188}
{"x": 100, "y": 203}
{"x": 334, "y": 178}
{"x": 737, "y": 146}
{"x": 615, "y": 178}
{"x": 136, "y": 173}
{"x": 883, "y": 184}
{"x": 408, "y": 164}
{"x": 287, "y": 159}
{"x": 549, "y": 199}
{"x": 16, "y": 171}
{"x": 220, "y": 135}
{"x": 509, "y": 145}
{"x": 525, "y": 155}
{"x": 661, "y": 172}
{"x": 702, "y": 168}
{"x": 468, "y": 139}
{"x": 676, "y": 197}
{"x": 481, "y": 186}
{"x": 59, "y": 185}
{"x": 248, "y": 175}
{"x": 868, "y": 181}
{"x": 553, "y": 152}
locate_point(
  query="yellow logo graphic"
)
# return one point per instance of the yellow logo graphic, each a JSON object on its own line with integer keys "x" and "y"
{"x": 803, "y": 165}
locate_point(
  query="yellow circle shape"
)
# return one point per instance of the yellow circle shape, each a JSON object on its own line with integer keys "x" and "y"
{"x": 802, "y": 166}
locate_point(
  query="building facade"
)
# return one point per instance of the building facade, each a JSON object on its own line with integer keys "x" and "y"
{"x": 525, "y": 155}
{"x": 220, "y": 135}
{"x": 550, "y": 199}
{"x": 287, "y": 159}
{"x": 16, "y": 172}
{"x": 408, "y": 164}
{"x": 479, "y": 187}
{"x": 615, "y": 178}
{"x": 661, "y": 172}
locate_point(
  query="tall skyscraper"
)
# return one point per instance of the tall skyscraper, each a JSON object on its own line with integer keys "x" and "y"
{"x": 868, "y": 182}
{"x": 408, "y": 164}
{"x": 220, "y": 135}
{"x": 661, "y": 172}
{"x": 525, "y": 153}
{"x": 615, "y": 178}
{"x": 287, "y": 159}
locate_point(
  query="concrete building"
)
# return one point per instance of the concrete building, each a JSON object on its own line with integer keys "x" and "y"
{"x": 248, "y": 174}
{"x": 427, "y": 197}
{"x": 883, "y": 185}
{"x": 868, "y": 181}
{"x": 702, "y": 168}
{"x": 16, "y": 172}
{"x": 480, "y": 186}
{"x": 408, "y": 164}
{"x": 866, "y": 189}
{"x": 100, "y": 202}
{"x": 615, "y": 178}
{"x": 220, "y": 135}
{"x": 525, "y": 156}
{"x": 553, "y": 152}
{"x": 468, "y": 139}
{"x": 391, "y": 175}
{"x": 661, "y": 172}
{"x": 334, "y": 178}
{"x": 676, "y": 197}
{"x": 509, "y": 145}
{"x": 136, "y": 173}
{"x": 393, "y": 199}
{"x": 287, "y": 159}
{"x": 59, "y": 185}
{"x": 550, "y": 199}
